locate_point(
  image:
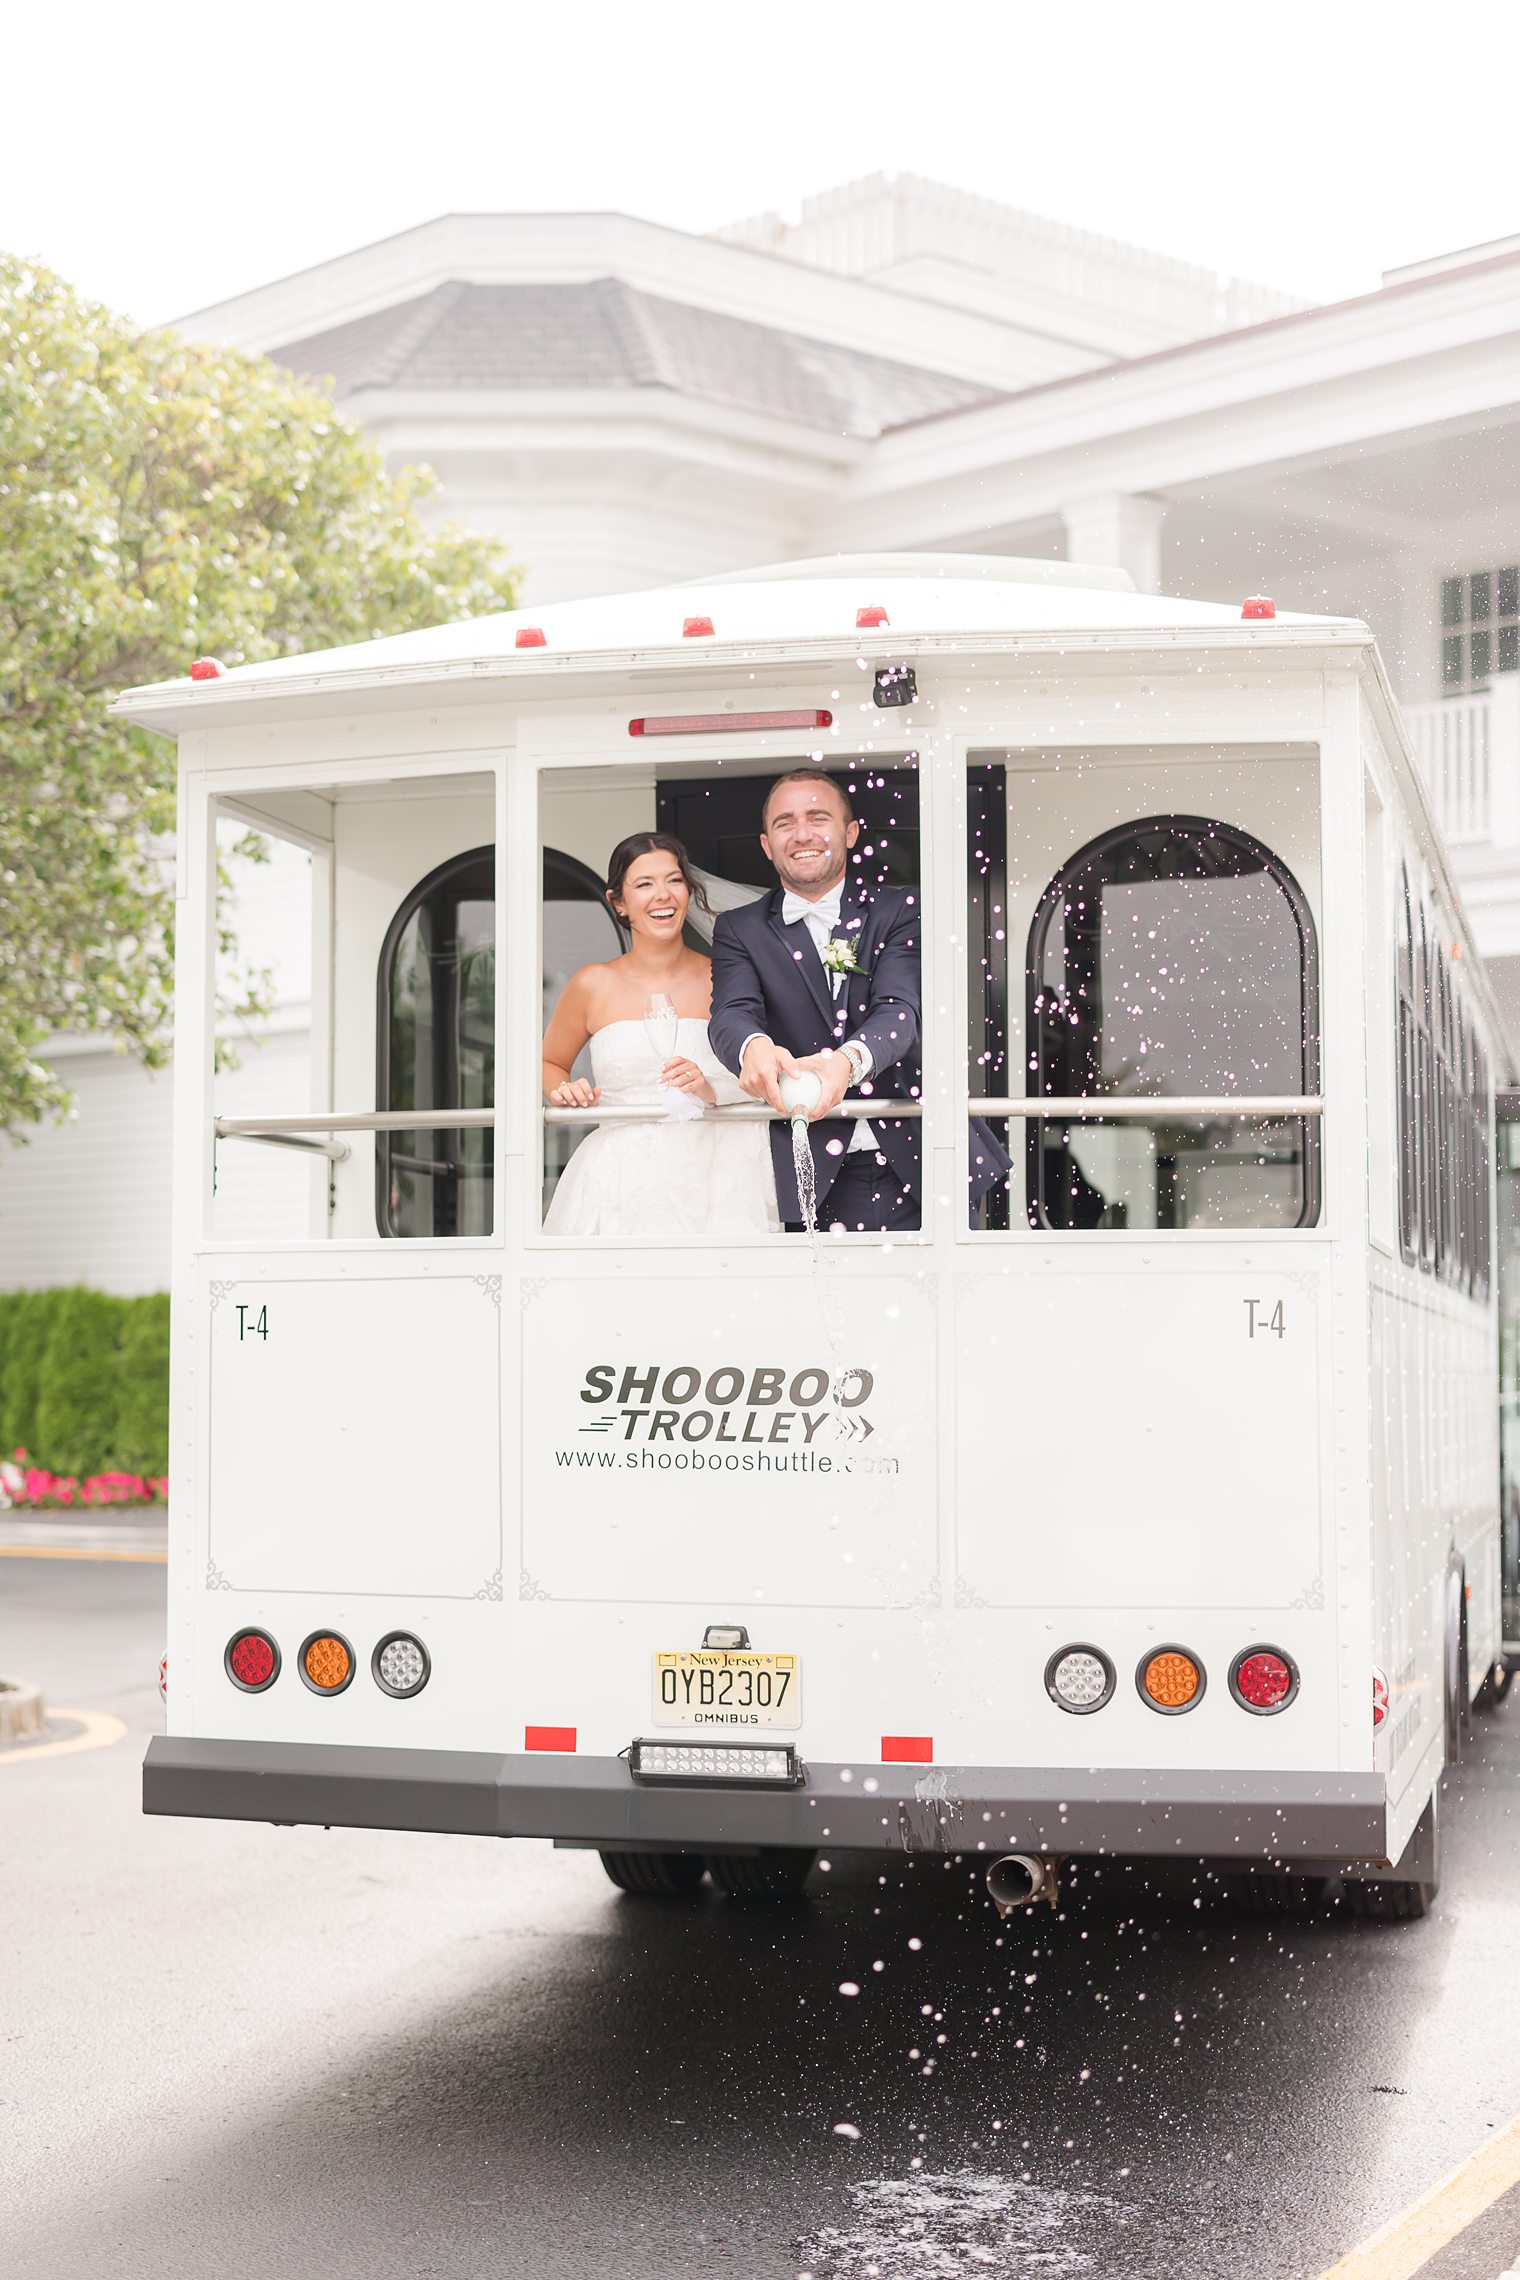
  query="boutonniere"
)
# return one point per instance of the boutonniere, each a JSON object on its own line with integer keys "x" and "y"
{"x": 839, "y": 955}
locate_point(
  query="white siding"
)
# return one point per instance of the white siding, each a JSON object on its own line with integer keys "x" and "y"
{"x": 89, "y": 1201}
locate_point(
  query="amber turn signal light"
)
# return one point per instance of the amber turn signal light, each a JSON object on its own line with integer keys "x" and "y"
{"x": 1170, "y": 1680}
{"x": 327, "y": 1662}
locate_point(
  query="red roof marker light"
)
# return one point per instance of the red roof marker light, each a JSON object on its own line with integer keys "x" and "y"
{"x": 207, "y": 669}
{"x": 691, "y": 627}
{"x": 530, "y": 637}
{"x": 1258, "y": 606}
{"x": 873, "y": 614}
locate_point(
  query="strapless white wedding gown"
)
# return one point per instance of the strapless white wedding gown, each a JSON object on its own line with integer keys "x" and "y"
{"x": 704, "y": 1176}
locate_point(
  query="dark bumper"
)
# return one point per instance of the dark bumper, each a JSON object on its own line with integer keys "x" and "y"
{"x": 939, "y": 1809}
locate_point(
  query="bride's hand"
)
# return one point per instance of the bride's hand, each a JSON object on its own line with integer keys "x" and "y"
{"x": 686, "y": 1077}
{"x": 576, "y": 1093}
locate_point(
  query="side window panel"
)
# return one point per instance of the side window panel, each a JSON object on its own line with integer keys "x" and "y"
{"x": 437, "y": 1017}
{"x": 1408, "y": 1047}
{"x": 437, "y": 1012}
{"x": 1173, "y": 958}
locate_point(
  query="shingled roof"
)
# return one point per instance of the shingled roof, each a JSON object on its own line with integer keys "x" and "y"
{"x": 605, "y": 334}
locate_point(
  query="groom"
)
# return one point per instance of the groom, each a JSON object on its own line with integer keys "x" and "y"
{"x": 823, "y": 974}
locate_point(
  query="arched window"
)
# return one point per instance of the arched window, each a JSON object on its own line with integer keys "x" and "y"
{"x": 1173, "y": 957}
{"x": 436, "y": 1041}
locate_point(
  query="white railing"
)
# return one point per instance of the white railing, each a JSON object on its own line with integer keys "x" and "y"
{"x": 1468, "y": 749}
{"x": 1454, "y": 744}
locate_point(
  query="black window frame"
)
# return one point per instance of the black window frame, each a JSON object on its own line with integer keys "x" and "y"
{"x": 1407, "y": 1042}
{"x": 1053, "y": 901}
{"x": 439, "y": 877}
{"x": 1445, "y": 1138}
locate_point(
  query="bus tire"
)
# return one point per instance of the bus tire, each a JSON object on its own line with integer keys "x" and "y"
{"x": 654, "y": 1875}
{"x": 1497, "y": 1682}
{"x": 1401, "y": 1899}
{"x": 1274, "y": 1891}
{"x": 776, "y": 1873}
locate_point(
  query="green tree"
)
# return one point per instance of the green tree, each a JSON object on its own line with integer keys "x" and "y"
{"x": 160, "y": 500}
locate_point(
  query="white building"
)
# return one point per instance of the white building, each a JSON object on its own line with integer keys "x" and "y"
{"x": 905, "y": 367}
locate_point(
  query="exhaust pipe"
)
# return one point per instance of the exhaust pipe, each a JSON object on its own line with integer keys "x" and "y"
{"x": 1019, "y": 1880}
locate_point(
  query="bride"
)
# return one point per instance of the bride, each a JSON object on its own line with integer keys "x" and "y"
{"x": 688, "y": 1174}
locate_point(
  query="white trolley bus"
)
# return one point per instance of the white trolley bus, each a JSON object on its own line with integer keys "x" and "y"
{"x": 1149, "y": 1509}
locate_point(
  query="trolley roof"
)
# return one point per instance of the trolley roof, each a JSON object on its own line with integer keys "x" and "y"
{"x": 877, "y": 604}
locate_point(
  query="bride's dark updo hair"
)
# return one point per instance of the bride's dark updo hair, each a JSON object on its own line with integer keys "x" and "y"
{"x": 627, "y": 852}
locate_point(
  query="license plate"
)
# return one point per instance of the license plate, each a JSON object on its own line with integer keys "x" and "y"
{"x": 729, "y": 1687}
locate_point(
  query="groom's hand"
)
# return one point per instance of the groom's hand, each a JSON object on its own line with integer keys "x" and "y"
{"x": 764, "y": 1064}
{"x": 834, "y": 1072}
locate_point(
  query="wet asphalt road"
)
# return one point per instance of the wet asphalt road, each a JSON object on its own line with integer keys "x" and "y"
{"x": 288, "y": 2052}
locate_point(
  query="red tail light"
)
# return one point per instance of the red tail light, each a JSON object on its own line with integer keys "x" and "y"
{"x": 1379, "y": 1701}
{"x": 252, "y": 1660}
{"x": 1263, "y": 1679}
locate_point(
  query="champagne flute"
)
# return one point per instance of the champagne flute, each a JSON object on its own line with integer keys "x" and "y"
{"x": 661, "y": 1026}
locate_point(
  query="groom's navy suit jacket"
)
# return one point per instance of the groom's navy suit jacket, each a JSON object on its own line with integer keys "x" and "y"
{"x": 768, "y": 976}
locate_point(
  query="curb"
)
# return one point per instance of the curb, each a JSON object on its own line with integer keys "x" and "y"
{"x": 22, "y": 1711}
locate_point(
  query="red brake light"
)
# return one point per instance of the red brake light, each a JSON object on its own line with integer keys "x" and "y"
{"x": 872, "y": 614}
{"x": 695, "y": 625}
{"x": 1258, "y": 606}
{"x": 207, "y": 669}
{"x": 714, "y": 724}
{"x": 530, "y": 637}
{"x": 253, "y": 1661}
{"x": 1263, "y": 1679}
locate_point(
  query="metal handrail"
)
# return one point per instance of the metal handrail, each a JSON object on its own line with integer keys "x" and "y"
{"x": 336, "y": 1151}
{"x": 1160, "y": 1107}
{"x": 356, "y": 1120}
{"x": 297, "y": 1131}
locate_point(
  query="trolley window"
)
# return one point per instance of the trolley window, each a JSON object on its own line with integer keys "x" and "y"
{"x": 437, "y": 988}
{"x": 1173, "y": 958}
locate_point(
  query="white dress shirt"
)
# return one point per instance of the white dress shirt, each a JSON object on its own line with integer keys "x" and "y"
{"x": 821, "y": 918}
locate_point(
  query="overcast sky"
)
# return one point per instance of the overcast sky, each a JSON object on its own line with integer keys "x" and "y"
{"x": 164, "y": 158}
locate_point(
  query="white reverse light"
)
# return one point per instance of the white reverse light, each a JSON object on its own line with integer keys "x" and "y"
{"x": 707, "y": 1761}
{"x": 401, "y": 1664}
{"x": 1079, "y": 1679}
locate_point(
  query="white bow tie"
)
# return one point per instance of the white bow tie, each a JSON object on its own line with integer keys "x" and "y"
{"x": 826, "y": 907}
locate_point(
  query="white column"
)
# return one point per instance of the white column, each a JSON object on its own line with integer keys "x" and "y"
{"x": 1122, "y": 531}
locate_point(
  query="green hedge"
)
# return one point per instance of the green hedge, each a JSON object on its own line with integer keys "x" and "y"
{"x": 84, "y": 1380}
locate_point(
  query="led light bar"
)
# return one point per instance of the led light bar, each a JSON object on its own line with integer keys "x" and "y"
{"x": 747, "y": 1764}
{"x": 712, "y": 724}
